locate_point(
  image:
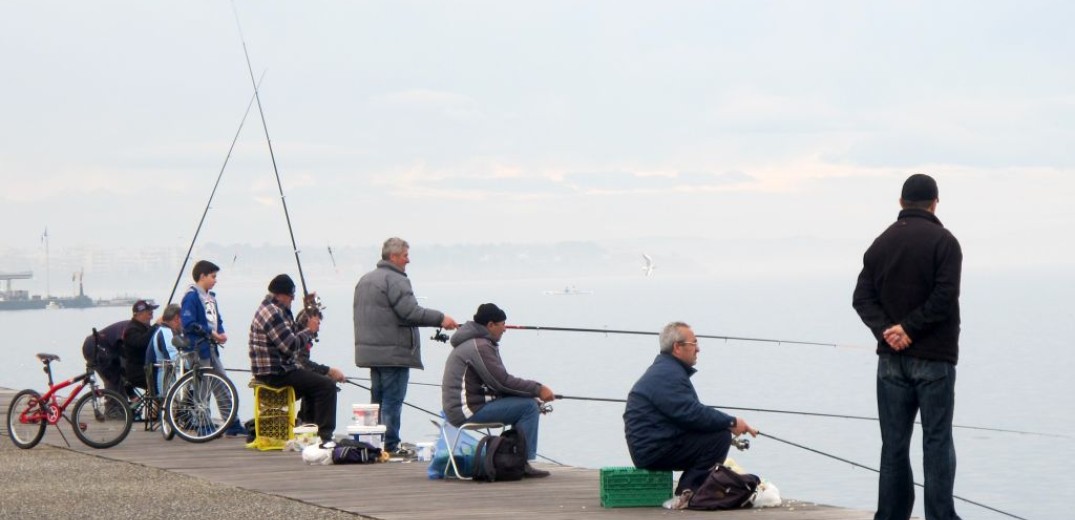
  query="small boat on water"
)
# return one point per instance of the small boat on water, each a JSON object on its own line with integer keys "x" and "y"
{"x": 570, "y": 290}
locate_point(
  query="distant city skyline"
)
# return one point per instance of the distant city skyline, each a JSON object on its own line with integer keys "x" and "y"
{"x": 488, "y": 122}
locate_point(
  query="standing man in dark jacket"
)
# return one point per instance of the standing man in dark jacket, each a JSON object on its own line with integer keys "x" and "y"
{"x": 667, "y": 427}
{"x": 908, "y": 295}
{"x": 478, "y": 388}
{"x": 387, "y": 317}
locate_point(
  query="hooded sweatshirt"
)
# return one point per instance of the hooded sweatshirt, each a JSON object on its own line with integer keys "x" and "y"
{"x": 474, "y": 374}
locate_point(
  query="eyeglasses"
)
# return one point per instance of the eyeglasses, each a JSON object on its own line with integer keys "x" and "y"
{"x": 695, "y": 343}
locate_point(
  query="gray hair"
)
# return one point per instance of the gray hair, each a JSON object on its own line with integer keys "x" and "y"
{"x": 170, "y": 312}
{"x": 672, "y": 334}
{"x": 393, "y": 246}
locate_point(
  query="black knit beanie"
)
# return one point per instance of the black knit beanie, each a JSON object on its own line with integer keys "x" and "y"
{"x": 282, "y": 284}
{"x": 489, "y": 312}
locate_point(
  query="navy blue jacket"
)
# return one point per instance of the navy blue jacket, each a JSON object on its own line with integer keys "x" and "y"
{"x": 663, "y": 406}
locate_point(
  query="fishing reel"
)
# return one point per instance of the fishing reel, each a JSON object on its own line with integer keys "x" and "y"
{"x": 311, "y": 307}
{"x": 741, "y": 443}
{"x": 440, "y": 336}
{"x": 311, "y": 304}
{"x": 545, "y": 408}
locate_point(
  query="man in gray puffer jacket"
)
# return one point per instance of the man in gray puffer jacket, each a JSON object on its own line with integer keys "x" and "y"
{"x": 477, "y": 388}
{"x": 387, "y": 317}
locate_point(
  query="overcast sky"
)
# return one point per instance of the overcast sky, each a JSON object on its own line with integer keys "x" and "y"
{"x": 449, "y": 122}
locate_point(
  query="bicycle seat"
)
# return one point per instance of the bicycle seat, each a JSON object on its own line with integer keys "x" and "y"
{"x": 47, "y": 358}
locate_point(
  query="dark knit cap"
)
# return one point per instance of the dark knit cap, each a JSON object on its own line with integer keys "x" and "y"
{"x": 919, "y": 187}
{"x": 489, "y": 312}
{"x": 282, "y": 284}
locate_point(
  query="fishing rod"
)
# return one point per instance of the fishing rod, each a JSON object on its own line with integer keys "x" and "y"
{"x": 310, "y": 306}
{"x": 650, "y": 333}
{"x": 819, "y": 414}
{"x": 211, "y": 195}
{"x": 857, "y": 465}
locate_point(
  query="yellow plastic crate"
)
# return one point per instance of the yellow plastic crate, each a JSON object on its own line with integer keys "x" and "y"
{"x": 274, "y": 417}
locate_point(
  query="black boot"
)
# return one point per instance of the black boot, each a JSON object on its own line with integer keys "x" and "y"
{"x": 532, "y": 472}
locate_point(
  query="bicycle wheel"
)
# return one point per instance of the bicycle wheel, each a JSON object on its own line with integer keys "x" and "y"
{"x": 102, "y": 418}
{"x": 167, "y": 382}
{"x": 25, "y": 421}
{"x": 201, "y": 405}
{"x": 166, "y": 427}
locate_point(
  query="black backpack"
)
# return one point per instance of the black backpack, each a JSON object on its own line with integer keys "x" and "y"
{"x": 348, "y": 451}
{"x": 500, "y": 457}
{"x": 725, "y": 489}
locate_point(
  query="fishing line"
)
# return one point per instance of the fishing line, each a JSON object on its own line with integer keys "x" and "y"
{"x": 767, "y": 410}
{"x": 857, "y": 465}
{"x": 650, "y": 333}
{"x": 819, "y": 414}
{"x": 211, "y": 195}
{"x": 276, "y": 171}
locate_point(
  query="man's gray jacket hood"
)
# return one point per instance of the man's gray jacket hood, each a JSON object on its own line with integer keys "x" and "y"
{"x": 474, "y": 374}
{"x": 387, "y": 317}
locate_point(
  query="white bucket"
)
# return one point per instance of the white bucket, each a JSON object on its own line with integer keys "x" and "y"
{"x": 372, "y": 435}
{"x": 366, "y": 414}
{"x": 425, "y": 450}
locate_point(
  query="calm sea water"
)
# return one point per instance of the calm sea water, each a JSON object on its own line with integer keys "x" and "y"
{"x": 1013, "y": 372}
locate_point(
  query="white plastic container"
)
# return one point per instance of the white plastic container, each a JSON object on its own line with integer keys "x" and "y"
{"x": 366, "y": 414}
{"x": 425, "y": 450}
{"x": 306, "y": 435}
{"x": 372, "y": 435}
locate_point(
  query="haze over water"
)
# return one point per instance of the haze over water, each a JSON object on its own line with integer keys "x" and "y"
{"x": 1012, "y": 373}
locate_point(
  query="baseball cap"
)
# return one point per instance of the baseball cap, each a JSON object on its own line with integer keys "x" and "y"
{"x": 143, "y": 305}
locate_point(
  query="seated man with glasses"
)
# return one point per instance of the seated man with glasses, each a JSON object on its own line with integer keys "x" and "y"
{"x": 667, "y": 428}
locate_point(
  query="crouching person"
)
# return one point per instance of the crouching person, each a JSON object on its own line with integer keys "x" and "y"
{"x": 477, "y": 388}
{"x": 667, "y": 428}
{"x": 274, "y": 341}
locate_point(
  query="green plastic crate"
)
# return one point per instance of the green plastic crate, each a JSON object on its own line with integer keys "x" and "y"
{"x": 633, "y": 487}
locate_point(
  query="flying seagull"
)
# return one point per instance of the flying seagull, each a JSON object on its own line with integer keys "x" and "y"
{"x": 647, "y": 267}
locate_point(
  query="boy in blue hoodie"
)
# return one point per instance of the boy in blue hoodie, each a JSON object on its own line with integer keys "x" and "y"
{"x": 203, "y": 325}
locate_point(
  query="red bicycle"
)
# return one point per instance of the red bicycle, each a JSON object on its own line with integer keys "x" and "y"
{"x": 100, "y": 419}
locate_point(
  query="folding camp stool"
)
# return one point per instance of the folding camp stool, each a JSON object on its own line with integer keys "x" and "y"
{"x": 453, "y": 443}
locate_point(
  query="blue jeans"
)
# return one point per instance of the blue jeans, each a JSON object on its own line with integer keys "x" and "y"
{"x": 389, "y": 389}
{"x": 520, "y": 412}
{"x": 236, "y": 427}
{"x": 905, "y": 387}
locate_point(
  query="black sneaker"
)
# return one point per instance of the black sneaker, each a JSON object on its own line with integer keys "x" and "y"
{"x": 532, "y": 472}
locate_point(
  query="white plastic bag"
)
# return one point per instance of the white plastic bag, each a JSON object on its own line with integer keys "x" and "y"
{"x": 317, "y": 455}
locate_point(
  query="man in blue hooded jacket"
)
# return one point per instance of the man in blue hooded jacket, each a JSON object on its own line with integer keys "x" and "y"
{"x": 667, "y": 428}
